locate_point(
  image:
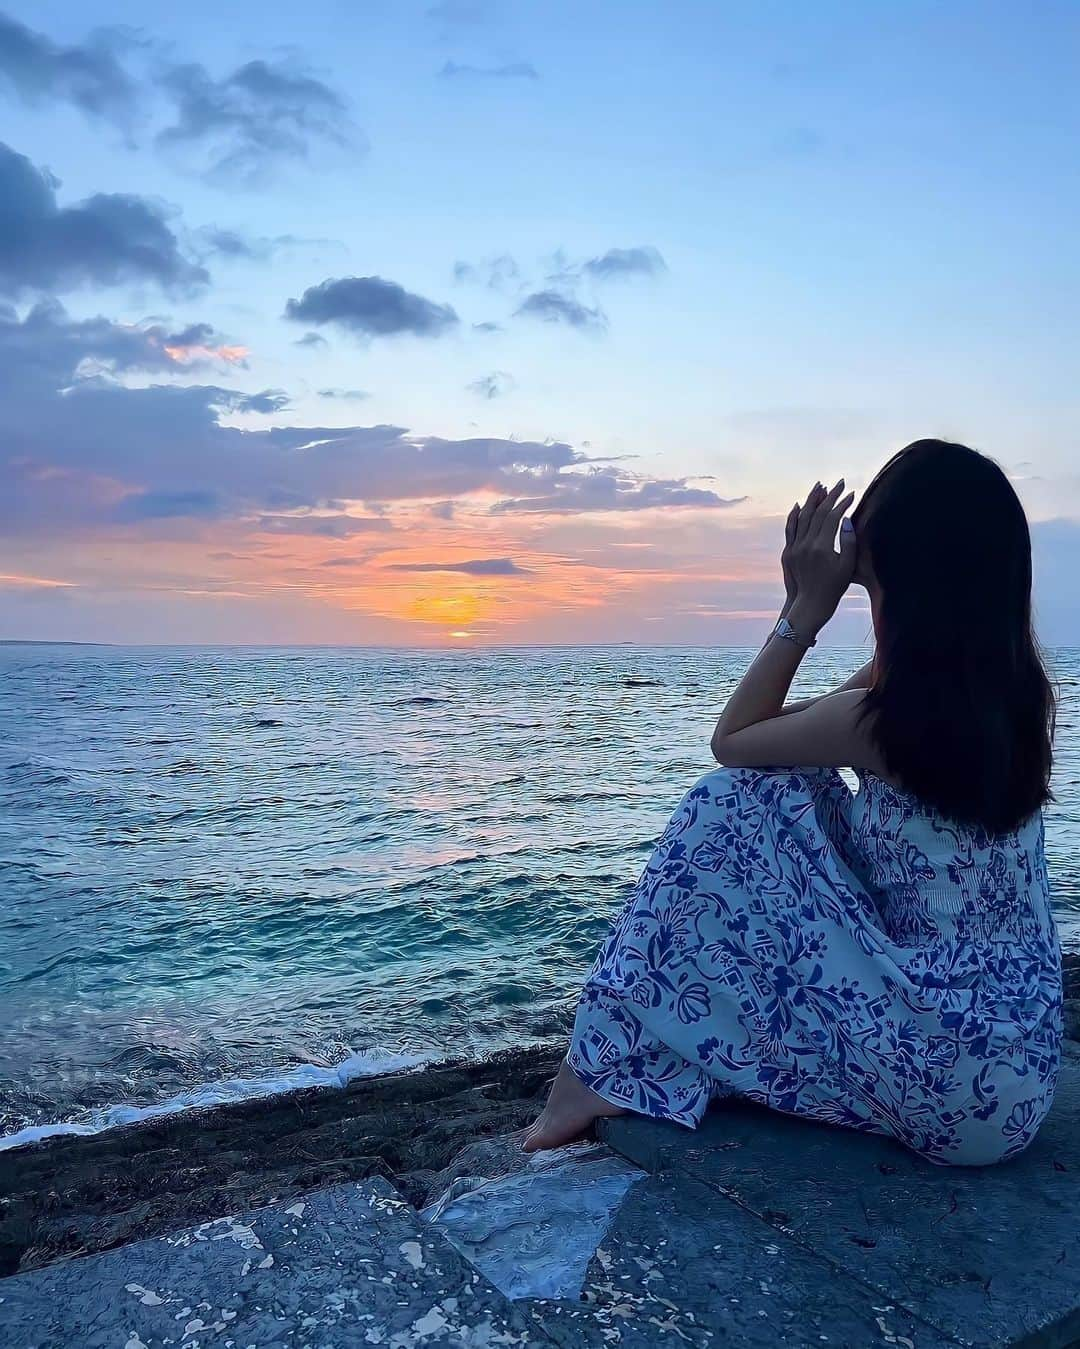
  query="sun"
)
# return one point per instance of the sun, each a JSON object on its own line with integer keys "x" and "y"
{"x": 461, "y": 610}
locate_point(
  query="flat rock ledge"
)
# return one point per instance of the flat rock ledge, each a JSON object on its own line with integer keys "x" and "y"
{"x": 757, "y": 1229}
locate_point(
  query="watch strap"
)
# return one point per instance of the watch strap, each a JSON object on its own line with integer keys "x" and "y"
{"x": 787, "y": 632}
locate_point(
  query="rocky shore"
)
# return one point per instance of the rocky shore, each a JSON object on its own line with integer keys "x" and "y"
{"x": 72, "y": 1196}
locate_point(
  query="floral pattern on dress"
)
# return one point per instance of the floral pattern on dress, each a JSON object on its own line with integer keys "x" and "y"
{"x": 854, "y": 958}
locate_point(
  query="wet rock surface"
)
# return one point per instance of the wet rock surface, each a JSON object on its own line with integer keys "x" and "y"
{"x": 73, "y": 1196}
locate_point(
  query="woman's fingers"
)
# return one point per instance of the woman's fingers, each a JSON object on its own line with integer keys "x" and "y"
{"x": 839, "y": 510}
{"x": 808, "y": 510}
{"x": 823, "y": 517}
{"x": 791, "y": 524}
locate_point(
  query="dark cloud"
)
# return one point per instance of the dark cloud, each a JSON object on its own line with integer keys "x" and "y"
{"x": 441, "y": 510}
{"x": 618, "y": 262}
{"x": 89, "y": 75}
{"x": 105, "y": 240}
{"x": 552, "y": 306}
{"x": 481, "y": 566}
{"x": 244, "y": 124}
{"x": 509, "y": 70}
{"x": 311, "y": 340}
{"x": 487, "y": 327}
{"x": 350, "y": 395}
{"x": 239, "y": 127}
{"x": 372, "y": 307}
{"x": 492, "y": 386}
{"x": 611, "y": 490}
{"x": 47, "y": 348}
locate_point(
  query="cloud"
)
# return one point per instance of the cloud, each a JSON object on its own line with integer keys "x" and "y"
{"x": 198, "y": 344}
{"x": 487, "y": 327}
{"x": 232, "y": 244}
{"x": 553, "y": 306}
{"x": 89, "y": 76}
{"x": 247, "y": 123}
{"x": 237, "y": 246}
{"x": 510, "y": 70}
{"x": 351, "y": 395}
{"x": 498, "y": 273}
{"x": 268, "y": 401}
{"x": 481, "y": 566}
{"x": 239, "y": 127}
{"x": 311, "y": 340}
{"x": 105, "y": 240}
{"x": 492, "y": 386}
{"x": 622, "y": 262}
{"x": 604, "y": 489}
{"x": 168, "y": 505}
{"x": 82, "y": 450}
{"x": 48, "y": 347}
{"x": 324, "y": 526}
{"x": 371, "y": 307}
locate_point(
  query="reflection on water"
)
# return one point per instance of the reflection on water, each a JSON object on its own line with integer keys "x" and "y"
{"x": 221, "y": 863}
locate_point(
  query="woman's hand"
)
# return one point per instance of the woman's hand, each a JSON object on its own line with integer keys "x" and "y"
{"x": 790, "y": 588}
{"x": 815, "y": 574}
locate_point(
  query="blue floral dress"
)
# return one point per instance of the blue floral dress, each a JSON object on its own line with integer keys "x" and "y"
{"x": 856, "y": 958}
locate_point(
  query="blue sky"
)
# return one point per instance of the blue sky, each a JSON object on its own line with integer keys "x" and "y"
{"x": 725, "y": 249}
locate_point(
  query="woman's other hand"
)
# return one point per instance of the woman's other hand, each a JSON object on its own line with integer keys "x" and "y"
{"x": 816, "y": 575}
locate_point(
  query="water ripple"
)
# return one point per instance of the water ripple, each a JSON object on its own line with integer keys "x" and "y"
{"x": 225, "y": 864}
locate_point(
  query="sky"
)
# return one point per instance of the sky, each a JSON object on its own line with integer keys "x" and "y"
{"x": 514, "y": 321}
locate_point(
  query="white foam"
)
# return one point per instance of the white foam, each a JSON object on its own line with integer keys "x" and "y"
{"x": 365, "y": 1063}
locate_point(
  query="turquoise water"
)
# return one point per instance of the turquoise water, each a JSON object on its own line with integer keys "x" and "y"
{"x": 228, "y": 863}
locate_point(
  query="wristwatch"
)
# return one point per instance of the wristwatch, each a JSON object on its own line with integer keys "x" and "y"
{"x": 785, "y": 630}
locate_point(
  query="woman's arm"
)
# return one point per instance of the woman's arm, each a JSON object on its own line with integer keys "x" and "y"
{"x": 859, "y": 680}
{"x": 754, "y": 729}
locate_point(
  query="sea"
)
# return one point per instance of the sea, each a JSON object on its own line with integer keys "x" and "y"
{"x": 228, "y": 872}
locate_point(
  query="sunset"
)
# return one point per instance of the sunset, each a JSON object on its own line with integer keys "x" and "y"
{"x": 419, "y": 323}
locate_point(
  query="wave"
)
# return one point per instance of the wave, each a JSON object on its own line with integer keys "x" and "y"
{"x": 365, "y": 1063}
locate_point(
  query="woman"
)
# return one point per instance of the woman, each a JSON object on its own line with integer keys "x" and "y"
{"x": 885, "y": 960}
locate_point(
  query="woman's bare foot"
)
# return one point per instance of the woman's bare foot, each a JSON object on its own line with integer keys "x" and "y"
{"x": 571, "y": 1108}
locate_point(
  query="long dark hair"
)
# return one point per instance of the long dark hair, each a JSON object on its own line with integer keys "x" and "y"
{"x": 959, "y": 702}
